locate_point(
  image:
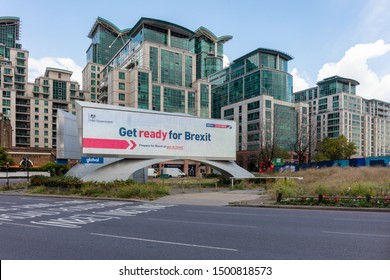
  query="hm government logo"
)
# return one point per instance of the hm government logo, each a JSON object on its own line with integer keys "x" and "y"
{"x": 92, "y": 117}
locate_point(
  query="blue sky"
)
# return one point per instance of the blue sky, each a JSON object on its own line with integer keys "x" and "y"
{"x": 350, "y": 38}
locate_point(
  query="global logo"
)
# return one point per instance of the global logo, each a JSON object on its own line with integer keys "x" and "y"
{"x": 92, "y": 160}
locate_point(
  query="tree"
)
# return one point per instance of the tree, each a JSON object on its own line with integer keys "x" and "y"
{"x": 4, "y": 157}
{"x": 305, "y": 140}
{"x": 335, "y": 148}
{"x": 275, "y": 131}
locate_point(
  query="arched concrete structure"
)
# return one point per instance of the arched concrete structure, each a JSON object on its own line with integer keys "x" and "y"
{"x": 126, "y": 168}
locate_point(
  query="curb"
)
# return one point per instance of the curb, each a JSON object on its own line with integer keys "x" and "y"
{"x": 305, "y": 207}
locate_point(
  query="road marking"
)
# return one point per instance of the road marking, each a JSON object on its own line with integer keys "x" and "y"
{"x": 3, "y": 202}
{"x": 357, "y": 234}
{"x": 201, "y": 223}
{"x": 40, "y": 199}
{"x": 362, "y": 220}
{"x": 21, "y": 225}
{"x": 232, "y": 213}
{"x": 165, "y": 242}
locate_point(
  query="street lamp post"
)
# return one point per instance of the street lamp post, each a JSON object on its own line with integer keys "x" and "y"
{"x": 6, "y": 167}
{"x": 27, "y": 160}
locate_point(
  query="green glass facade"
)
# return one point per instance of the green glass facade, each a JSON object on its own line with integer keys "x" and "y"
{"x": 174, "y": 100}
{"x": 9, "y": 34}
{"x": 106, "y": 41}
{"x": 59, "y": 90}
{"x": 261, "y": 72}
{"x": 286, "y": 124}
{"x": 143, "y": 90}
{"x": 175, "y": 58}
{"x": 156, "y": 98}
{"x": 171, "y": 68}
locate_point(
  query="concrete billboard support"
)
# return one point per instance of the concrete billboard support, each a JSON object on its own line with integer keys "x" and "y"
{"x": 123, "y": 169}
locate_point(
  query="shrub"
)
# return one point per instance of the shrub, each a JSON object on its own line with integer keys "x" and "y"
{"x": 363, "y": 189}
{"x": 286, "y": 187}
{"x": 322, "y": 190}
{"x": 37, "y": 180}
{"x": 39, "y": 189}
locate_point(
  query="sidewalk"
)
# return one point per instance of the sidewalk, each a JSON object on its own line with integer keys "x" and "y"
{"x": 216, "y": 198}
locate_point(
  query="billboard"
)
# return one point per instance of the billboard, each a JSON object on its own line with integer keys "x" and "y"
{"x": 114, "y": 131}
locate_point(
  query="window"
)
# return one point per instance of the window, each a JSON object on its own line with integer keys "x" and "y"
{"x": 6, "y": 102}
{"x": 121, "y": 96}
{"x": 36, "y": 101}
{"x": 121, "y": 86}
{"x": 121, "y": 75}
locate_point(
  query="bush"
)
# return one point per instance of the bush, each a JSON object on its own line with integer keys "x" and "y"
{"x": 119, "y": 188}
{"x": 286, "y": 187}
{"x": 37, "y": 180}
{"x": 363, "y": 189}
{"x": 56, "y": 182}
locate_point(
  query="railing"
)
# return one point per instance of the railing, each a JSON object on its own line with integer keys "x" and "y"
{"x": 264, "y": 177}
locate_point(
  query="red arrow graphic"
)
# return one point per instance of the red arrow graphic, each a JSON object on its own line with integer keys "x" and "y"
{"x": 107, "y": 143}
{"x": 133, "y": 145}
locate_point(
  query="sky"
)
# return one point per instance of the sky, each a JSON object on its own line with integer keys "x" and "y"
{"x": 349, "y": 38}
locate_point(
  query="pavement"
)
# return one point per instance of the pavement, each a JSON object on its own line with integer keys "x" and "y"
{"x": 217, "y": 197}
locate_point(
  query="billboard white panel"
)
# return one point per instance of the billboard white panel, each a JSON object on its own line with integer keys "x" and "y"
{"x": 124, "y": 132}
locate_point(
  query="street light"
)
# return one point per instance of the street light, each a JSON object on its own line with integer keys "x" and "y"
{"x": 7, "y": 166}
{"x": 26, "y": 161}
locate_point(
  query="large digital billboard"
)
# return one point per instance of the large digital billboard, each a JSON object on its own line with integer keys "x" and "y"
{"x": 125, "y": 132}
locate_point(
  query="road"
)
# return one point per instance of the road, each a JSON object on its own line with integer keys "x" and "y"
{"x": 45, "y": 228}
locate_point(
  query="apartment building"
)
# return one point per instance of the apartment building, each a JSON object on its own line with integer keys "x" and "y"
{"x": 336, "y": 110}
{"x": 53, "y": 91}
{"x": 13, "y": 81}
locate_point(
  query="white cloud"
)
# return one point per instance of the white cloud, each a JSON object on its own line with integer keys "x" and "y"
{"x": 37, "y": 67}
{"x": 354, "y": 65}
{"x": 299, "y": 80}
{"x": 225, "y": 61}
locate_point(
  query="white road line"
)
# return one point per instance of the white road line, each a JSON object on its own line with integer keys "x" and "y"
{"x": 357, "y": 234}
{"x": 232, "y": 213}
{"x": 21, "y": 225}
{"x": 3, "y": 202}
{"x": 165, "y": 242}
{"x": 39, "y": 199}
{"x": 201, "y": 223}
{"x": 362, "y": 220}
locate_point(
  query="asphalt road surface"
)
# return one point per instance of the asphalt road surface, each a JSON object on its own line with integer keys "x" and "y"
{"x": 45, "y": 228}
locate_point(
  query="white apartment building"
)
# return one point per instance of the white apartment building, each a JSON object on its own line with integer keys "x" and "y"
{"x": 335, "y": 110}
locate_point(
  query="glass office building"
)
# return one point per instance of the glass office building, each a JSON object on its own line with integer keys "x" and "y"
{"x": 256, "y": 92}
{"x": 260, "y": 72}
{"x": 163, "y": 67}
{"x": 106, "y": 40}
